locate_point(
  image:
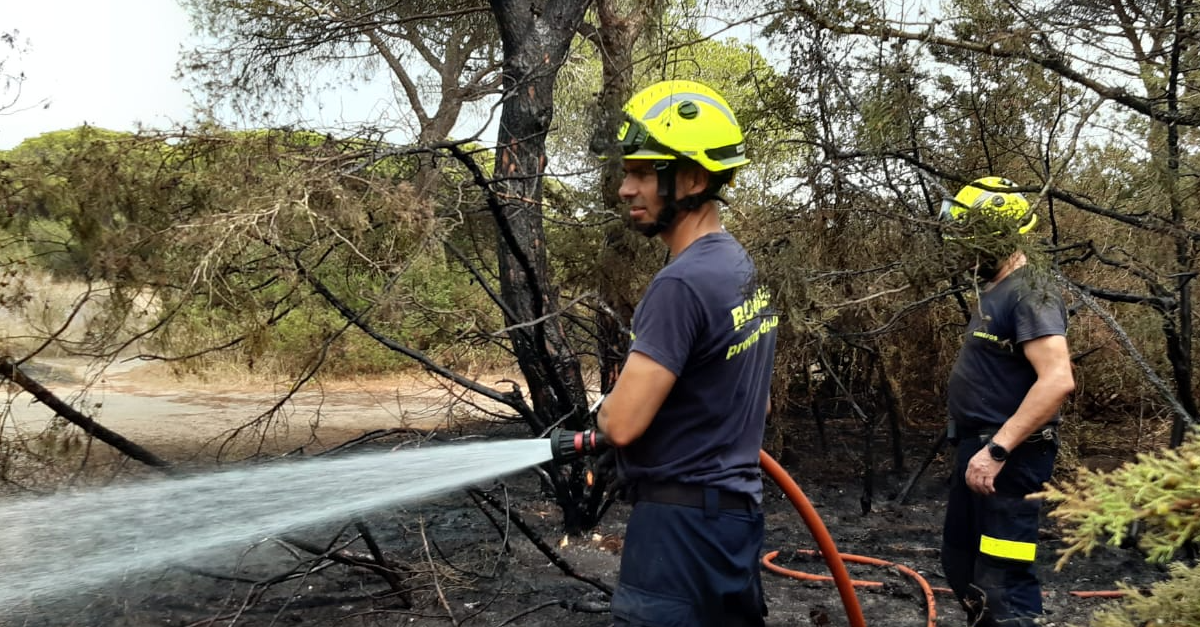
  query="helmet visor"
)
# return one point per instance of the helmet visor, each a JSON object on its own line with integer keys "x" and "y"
{"x": 946, "y": 213}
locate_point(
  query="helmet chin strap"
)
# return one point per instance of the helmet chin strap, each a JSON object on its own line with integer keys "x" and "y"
{"x": 671, "y": 205}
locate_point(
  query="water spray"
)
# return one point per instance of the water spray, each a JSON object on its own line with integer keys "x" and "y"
{"x": 58, "y": 545}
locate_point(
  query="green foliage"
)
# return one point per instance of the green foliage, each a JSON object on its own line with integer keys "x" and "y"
{"x": 47, "y": 243}
{"x": 1159, "y": 497}
{"x": 1160, "y": 494}
{"x": 213, "y": 227}
{"x": 1169, "y": 603}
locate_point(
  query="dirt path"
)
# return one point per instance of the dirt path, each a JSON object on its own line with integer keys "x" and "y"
{"x": 147, "y": 404}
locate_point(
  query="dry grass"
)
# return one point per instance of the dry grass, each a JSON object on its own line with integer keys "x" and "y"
{"x": 57, "y": 318}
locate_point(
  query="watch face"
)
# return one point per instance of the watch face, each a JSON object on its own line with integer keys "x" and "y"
{"x": 998, "y": 453}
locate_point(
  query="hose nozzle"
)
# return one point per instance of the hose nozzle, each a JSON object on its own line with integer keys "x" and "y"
{"x": 569, "y": 445}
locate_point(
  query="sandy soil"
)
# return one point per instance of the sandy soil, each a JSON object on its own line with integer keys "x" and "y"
{"x": 461, "y": 567}
{"x": 192, "y": 418}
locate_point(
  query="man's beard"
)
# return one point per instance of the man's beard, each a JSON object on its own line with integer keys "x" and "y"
{"x": 986, "y": 268}
{"x": 648, "y": 229}
{"x": 666, "y": 215}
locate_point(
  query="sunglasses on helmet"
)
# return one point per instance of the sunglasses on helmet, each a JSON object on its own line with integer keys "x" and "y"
{"x": 634, "y": 136}
{"x": 946, "y": 213}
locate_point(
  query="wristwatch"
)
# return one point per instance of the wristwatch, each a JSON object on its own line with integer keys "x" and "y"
{"x": 998, "y": 453}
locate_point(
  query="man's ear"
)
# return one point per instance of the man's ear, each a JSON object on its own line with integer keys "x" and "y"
{"x": 693, "y": 179}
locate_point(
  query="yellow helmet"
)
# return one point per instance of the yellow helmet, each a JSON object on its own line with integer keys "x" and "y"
{"x": 673, "y": 119}
{"x": 981, "y": 198}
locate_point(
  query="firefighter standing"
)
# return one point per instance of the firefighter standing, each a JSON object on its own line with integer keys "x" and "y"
{"x": 688, "y": 410}
{"x": 1012, "y": 374}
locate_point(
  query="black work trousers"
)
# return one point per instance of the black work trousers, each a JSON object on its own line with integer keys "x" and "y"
{"x": 989, "y": 542}
{"x": 685, "y": 566}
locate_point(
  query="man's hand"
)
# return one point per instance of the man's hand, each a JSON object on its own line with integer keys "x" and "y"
{"x": 982, "y": 471}
{"x": 1052, "y": 361}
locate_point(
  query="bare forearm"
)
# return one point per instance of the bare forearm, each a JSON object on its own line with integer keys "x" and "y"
{"x": 1036, "y": 410}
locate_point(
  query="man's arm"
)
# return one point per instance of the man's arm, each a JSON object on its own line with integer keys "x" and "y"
{"x": 635, "y": 399}
{"x": 1051, "y": 359}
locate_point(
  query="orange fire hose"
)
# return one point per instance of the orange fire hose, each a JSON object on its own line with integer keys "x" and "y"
{"x": 841, "y": 576}
{"x": 1098, "y": 594}
{"x": 828, "y": 550}
{"x": 931, "y": 611}
{"x": 836, "y": 561}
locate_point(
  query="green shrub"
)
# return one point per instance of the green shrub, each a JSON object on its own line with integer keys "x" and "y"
{"x": 1159, "y": 496}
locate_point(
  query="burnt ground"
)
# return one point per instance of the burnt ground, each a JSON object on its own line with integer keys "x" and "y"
{"x": 458, "y": 572}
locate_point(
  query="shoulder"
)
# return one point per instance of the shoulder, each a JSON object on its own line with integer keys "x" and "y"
{"x": 1036, "y": 287}
{"x": 709, "y": 258}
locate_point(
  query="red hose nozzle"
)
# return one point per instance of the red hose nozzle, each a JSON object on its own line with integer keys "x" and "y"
{"x": 567, "y": 445}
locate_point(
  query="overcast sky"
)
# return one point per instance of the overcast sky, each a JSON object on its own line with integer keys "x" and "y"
{"x": 104, "y": 62}
{"x": 110, "y": 63}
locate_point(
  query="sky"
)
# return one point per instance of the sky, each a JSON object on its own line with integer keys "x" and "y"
{"x": 110, "y": 63}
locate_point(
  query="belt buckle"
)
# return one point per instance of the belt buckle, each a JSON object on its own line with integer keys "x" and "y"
{"x": 1045, "y": 435}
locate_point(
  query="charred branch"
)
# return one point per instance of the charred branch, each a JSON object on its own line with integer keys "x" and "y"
{"x": 11, "y": 371}
{"x": 512, "y": 399}
{"x": 538, "y": 542}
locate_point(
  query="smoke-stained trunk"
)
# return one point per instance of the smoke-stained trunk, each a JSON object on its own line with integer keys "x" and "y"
{"x": 1178, "y": 330}
{"x": 535, "y": 37}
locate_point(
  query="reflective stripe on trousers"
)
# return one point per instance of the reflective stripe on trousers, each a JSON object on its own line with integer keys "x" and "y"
{"x": 1007, "y": 549}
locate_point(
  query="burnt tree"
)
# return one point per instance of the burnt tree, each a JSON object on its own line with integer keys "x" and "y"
{"x": 535, "y": 40}
{"x": 535, "y": 37}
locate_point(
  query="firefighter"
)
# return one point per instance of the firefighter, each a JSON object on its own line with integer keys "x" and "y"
{"x": 688, "y": 410}
{"x": 1012, "y": 374}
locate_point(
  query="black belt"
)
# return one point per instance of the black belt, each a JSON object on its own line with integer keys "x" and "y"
{"x": 690, "y": 495}
{"x": 1048, "y": 433}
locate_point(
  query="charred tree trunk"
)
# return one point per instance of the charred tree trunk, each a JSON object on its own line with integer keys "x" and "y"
{"x": 819, "y": 421}
{"x": 868, "y": 476}
{"x": 1178, "y": 327}
{"x": 535, "y": 37}
{"x": 895, "y": 414}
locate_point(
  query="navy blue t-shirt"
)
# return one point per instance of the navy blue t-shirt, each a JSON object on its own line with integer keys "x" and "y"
{"x": 705, "y": 318}
{"x": 992, "y": 375}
